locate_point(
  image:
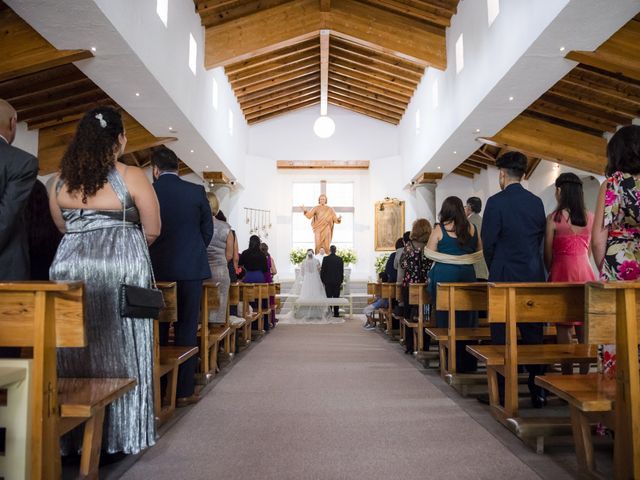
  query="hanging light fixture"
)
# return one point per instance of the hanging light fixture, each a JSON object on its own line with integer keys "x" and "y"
{"x": 324, "y": 126}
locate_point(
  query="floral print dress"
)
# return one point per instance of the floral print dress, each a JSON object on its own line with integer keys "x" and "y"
{"x": 622, "y": 256}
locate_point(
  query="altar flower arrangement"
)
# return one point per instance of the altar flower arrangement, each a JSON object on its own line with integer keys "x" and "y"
{"x": 381, "y": 262}
{"x": 347, "y": 255}
{"x": 297, "y": 255}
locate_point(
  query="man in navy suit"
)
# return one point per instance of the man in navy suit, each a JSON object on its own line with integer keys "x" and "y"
{"x": 180, "y": 255}
{"x": 512, "y": 233}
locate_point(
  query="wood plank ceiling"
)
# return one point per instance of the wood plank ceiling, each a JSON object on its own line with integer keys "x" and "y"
{"x": 51, "y": 94}
{"x": 569, "y": 123}
{"x": 375, "y": 56}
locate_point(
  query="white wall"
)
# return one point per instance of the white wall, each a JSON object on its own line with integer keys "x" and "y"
{"x": 26, "y": 139}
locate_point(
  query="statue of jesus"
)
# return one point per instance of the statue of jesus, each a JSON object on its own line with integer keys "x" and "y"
{"x": 323, "y": 217}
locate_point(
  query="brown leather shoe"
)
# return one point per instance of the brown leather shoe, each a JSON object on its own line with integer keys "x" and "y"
{"x": 186, "y": 401}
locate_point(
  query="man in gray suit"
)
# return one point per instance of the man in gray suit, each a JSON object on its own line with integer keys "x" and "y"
{"x": 472, "y": 209}
{"x": 18, "y": 173}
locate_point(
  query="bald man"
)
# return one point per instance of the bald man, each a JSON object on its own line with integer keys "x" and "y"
{"x": 18, "y": 173}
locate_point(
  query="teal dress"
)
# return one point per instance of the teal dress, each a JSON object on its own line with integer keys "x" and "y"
{"x": 446, "y": 273}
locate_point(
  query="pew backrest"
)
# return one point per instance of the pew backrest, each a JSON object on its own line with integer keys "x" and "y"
{"x": 600, "y": 310}
{"x": 464, "y": 297}
{"x": 170, "y": 294}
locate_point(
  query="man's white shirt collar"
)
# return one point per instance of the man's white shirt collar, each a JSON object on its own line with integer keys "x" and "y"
{"x": 4, "y": 139}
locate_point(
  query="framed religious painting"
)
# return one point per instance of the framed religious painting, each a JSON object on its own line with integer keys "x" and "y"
{"x": 388, "y": 224}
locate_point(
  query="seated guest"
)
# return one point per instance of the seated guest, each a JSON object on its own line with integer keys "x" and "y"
{"x": 454, "y": 236}
{"x": 255, "y": 265}
{"x": 271, "y": 271}
{"x": 219, "y": 253}
{"x": 90, "y": 197}
{"x": 377, "y": 303}
{"x": 389, "y": 269}
{"x": 398, "y": 309}
{"x": 566, "y": 248}
{"x": 616, "y": 237}
{"x": 180, "y": 255}
{"x": 42, "y": 234}
{"x": 415, "y": 267}
{"x": 512, "y": 234}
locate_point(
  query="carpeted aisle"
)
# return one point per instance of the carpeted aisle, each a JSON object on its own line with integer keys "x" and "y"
{"x": 327, "y": 402}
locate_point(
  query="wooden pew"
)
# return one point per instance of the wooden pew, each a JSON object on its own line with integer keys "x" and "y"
{"x": 611, "y": 317}
{"x": 46, "y": 315}
{"x": 211, "y": 334}
{"x": 417, "y": 296}
{"x": 249, "y": 293}
{"x": 168, "y": 358}
{"x": 388, "y": 292}
{"x": 236, "y": 324}
{"x": 262, "y": 295}
{"x": 512, "y": 303}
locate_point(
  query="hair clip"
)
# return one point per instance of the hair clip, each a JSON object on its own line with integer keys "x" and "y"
{"x": 103, "y": 122}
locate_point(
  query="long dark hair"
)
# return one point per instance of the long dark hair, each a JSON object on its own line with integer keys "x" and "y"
{"x": 89, "y": 157}
{"x": 453, "y": 211}
{"x": 571, "y": 199}
{"x": 623, "y": 151}
{"x": 254, "y": 242}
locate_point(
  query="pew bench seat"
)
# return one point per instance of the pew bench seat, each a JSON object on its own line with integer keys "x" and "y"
{"x": 474, "y": 333}
{"x": 175, "y": 356}
{"x": 592, "y": 392}
{"x": 494, "y": 355}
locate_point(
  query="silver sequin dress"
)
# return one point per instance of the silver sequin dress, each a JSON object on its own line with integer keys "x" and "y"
{"x": 98, "y": 250}
{"x": 217, "y": 257}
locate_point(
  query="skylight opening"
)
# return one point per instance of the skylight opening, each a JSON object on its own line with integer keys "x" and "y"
{"x": 493, "y": 10}
{"x": 193, "y": 53}
{"x": 162, "y": 9}
{"x": 459, "y": 54}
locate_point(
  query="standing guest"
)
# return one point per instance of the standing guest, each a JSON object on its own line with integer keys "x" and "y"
{"x": 42, "y": 234}
{"x": 219, "y": 253}
{"x": 390, "y": 271}
{"x": 472, "y": 209}
{"x": 616, "y": 232}
{"x": 100, "y": 205}
{"x": 180, "y": 255}
{"x": 234, "y": 268}
{"x": 457, "y": 237}
{"x": 256, "y": 267}
{"x": 566, "y": 248}
{"x": 332, "y": 275}
{"x": 271, "y": 271}
{"x": 512, "y": 234}
{"x": 18, "y": 173}
{"x": 400, "y": 275}
{"x": 415, "y": 267}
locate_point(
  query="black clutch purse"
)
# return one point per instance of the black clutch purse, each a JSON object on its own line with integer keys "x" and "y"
{"x": 140, "y": 302}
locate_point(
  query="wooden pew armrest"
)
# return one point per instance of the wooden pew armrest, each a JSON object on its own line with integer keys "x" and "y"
{"x": 589, "y": 393}
{"x": 81, "y": 397}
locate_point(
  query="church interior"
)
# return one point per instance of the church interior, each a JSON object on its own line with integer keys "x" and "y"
{"x": 387, "y": 108}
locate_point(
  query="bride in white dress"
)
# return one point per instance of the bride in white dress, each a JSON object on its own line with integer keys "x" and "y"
{"x": 311, "y": 303}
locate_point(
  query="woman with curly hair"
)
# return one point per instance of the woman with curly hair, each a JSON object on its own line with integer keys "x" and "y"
{"x": 100, "y": 206}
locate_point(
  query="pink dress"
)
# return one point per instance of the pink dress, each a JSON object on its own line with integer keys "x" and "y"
{"x": 571, "y": 253}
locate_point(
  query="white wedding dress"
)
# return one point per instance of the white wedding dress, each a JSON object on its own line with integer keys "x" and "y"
{"x": 308, "y": 288}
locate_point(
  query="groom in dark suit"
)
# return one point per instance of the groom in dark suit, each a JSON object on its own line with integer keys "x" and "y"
{"x": 180, "y": 255}
{"x": 512, "y": 233}
{"x": 332, "y": 275}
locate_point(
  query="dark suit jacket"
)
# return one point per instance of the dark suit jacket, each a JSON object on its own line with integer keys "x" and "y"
{"x": 180, "y": 252}
{"x": 18, "y": 173}
{"x": 332, "y": 270}
{"x": 512, "y": 234}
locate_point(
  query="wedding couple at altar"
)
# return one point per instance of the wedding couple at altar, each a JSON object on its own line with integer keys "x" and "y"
{"x": 315, "y": 290}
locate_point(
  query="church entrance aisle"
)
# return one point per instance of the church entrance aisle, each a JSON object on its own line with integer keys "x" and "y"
{"x": 327, "y": 402}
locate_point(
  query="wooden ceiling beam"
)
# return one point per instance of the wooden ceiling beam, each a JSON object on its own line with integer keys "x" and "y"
{"x": 274, "y": 65}
{"x": 466, "y": 166}
{"x": 366, "y": 103}
{"x": 62, "y": 101}
{"x": 262, "y": 32}
{"x": 230, "y": 11}
{"x": 622, "y": 65}
{"x": 538, "y": 138}
{"x": 364, "y": 85}
{"x": 324, "y": 70}
{"x": 601, "y": 102}
{"x": 285, "y": 70}
{"x": 462, "y": 173}
{"x": 313, "y": 90}
{"x": 37, "y": 94}
{"x": 387, "y": 32}
{"x": 378, "y": 68}
{"x": 418, "y": 10}
{"x": 549, "y": 109}
{"x": 474, "y": 163}
{"x": 309, "y": 97}
{"x": 250, "y": 97}
{"x": 280, "y": 112}
{"x": 359, "y": 92}
{"x": 613, "y": 95}
{"x": 266, "y": 58}
{"x": 481, "y": 159}
{"x": 367, "y": 54}
{"x": 367, "y": 79}
{"x": 271, "y": 82}
{"x": 279, "y": 94}
{"x": 55, "y": 117}
{"x": 364, "y": 111}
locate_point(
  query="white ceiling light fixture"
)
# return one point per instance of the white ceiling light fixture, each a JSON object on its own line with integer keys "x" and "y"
{"x": 94, "y": 49}
{"x": 511, "y": 99}
{"x": 562, "y": 49}
{"x": 324, "y": 126}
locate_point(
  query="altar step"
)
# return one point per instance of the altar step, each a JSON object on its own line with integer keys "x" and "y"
{"x": 355, "y": 286}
